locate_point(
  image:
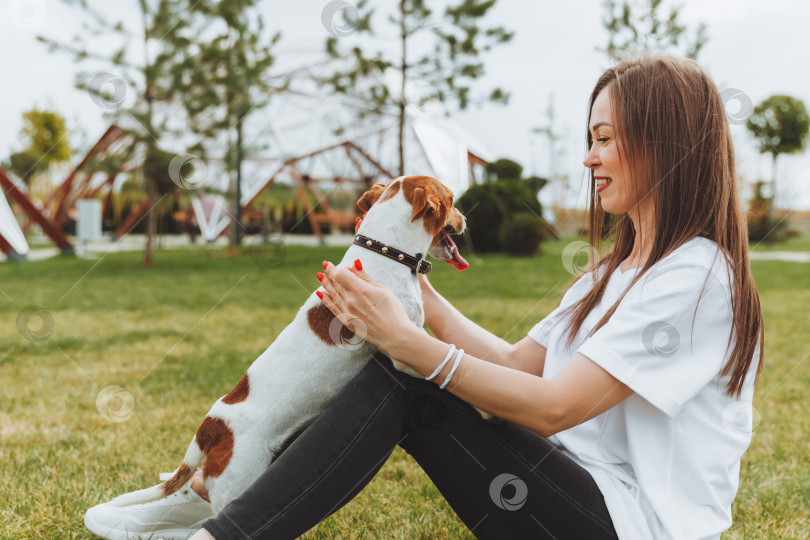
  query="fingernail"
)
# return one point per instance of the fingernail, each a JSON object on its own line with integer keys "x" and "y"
{"x": 357, "y": 264}
{"x": 320, "y": 276}
{"x": 320, "y": 294}
{"x": 324, "y": 264}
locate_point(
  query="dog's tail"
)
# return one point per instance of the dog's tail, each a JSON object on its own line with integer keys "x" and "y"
{"x": 193, "y": 458}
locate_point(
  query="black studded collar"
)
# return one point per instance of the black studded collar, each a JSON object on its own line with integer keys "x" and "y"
{"x": 416, "y": 263}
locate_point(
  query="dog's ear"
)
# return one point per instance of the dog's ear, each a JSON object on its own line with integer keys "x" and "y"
{"x": 423, "y": 202}
{"x": 370, "y": 197}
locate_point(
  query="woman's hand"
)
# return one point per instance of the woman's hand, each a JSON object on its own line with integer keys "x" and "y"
{"x": 365, "y": 307}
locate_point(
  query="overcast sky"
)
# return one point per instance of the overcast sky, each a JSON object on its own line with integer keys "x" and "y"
{"x": 759, "y": 48}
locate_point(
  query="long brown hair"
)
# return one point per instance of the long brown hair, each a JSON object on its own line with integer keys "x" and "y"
{"x": 669, "y": 112}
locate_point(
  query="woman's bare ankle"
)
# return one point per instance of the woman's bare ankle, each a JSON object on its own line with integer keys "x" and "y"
{"x": 198, "y": 485}
{"x": 202, "y": 534}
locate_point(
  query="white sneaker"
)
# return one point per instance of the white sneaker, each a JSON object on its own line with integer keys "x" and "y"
{"x": 175, "y": 517}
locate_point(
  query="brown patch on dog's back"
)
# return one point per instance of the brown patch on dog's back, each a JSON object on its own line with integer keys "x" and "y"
{"x": 175, "y": 482}
{"x": 320, "y": 318}
{"x": 215, "y": 439}
{"x": 240, "y": 391}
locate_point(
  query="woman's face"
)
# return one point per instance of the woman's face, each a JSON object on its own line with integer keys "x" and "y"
{"x": 607, "y": 159}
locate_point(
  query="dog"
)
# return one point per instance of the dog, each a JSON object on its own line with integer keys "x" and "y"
{"x": 313, "y": 358}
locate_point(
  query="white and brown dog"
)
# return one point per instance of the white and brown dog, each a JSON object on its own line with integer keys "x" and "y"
{"x": 314, "y": 357}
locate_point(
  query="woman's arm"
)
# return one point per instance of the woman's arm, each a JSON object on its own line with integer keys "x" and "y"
{"x": 449, "y": 325}
{"x": 581, "y": 391}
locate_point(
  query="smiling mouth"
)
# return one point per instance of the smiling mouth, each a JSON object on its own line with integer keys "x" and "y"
{"x": 455, "y": 258}
{"x": 601, "y": 182}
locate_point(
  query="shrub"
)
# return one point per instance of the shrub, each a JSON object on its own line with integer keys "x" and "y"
{"x": 487, "y": 206}
{"x": 503, "y": 169}
{"x": 521, "y": 234}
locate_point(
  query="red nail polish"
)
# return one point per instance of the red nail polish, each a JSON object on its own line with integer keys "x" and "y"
{"x": 319, "y": 293}
{"x": 324, "y": 263}
{"x": 320, "y": 276}
{"x": 357, "y": 264}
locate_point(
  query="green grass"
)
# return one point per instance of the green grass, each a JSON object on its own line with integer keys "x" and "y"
{"x": 794, "y": 243}
{"x": 179, "y": 335}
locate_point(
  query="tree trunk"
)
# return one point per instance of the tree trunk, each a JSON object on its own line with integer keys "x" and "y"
{"x": 151, "y": 146}
{"x": 230, "y": 110}
{"x": 151, "y": 223}
{"x": 772, "y": 205}
{"x": 403, "y": 68}
{"x": 773, "y": 181}
{"x": 242, "y": 110}
{"x": 237, "y": 237}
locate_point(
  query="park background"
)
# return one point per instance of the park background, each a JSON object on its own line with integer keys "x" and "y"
{"x": 104, "y": 362}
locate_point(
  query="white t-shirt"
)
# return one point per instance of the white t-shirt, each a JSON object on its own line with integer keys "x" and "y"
{"x": 667, "y": 459}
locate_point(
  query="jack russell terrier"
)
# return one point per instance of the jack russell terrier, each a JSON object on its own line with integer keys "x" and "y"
{"x": 314, "y": 357}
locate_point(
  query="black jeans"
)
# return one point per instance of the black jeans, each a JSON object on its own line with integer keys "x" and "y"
{"x": 503, "y": 480}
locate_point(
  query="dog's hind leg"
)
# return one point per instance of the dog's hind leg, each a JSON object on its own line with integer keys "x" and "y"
{"x": 289, "y": 439}
{"x": 181, "y": 475}
{"x": 248, "y": 463}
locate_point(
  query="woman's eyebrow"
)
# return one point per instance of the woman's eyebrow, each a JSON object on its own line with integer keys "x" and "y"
{"x": 598, "y": 124}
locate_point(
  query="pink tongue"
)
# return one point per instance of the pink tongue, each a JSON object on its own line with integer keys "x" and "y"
{"x": 458, "y": 261}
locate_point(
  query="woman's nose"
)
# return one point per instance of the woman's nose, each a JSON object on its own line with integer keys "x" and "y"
{"x": 591, "y": 160}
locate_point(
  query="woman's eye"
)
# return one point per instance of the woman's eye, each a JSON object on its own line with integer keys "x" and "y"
{"x": 603, "y": 139}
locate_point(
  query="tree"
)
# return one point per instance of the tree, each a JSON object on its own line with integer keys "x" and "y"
{"x": 45, "y": 138}
{"x": 148, "y": 81}
{"x": 780, "y": 125}
{"x": 448, "y": 70}
{"x": 225, "y": 76}
{"x": 643, "y": 25}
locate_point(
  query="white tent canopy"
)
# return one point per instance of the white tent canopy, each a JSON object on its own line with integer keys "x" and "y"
{"x": 10, "y": 229}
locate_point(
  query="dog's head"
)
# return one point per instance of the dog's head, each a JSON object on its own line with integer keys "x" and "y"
{"x": 432, "y": 203}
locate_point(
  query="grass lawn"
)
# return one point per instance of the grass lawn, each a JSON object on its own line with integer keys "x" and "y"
{"x": 181, "y": 334}
{"x": 794, "y": 243}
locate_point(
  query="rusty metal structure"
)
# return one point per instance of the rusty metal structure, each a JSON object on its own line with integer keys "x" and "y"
{"x": 317, "y": 142}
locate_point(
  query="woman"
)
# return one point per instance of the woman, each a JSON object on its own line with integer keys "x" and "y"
{"x": 626, "y": 410}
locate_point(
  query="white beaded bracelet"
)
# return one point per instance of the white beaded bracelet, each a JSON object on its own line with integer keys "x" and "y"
{"x": 441, "y": 366}
{"x": 453, "y": 370}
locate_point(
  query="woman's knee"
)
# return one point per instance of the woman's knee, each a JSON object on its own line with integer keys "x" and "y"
{"x": 431, "y": 411}
{"x": 427, "y": 408}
